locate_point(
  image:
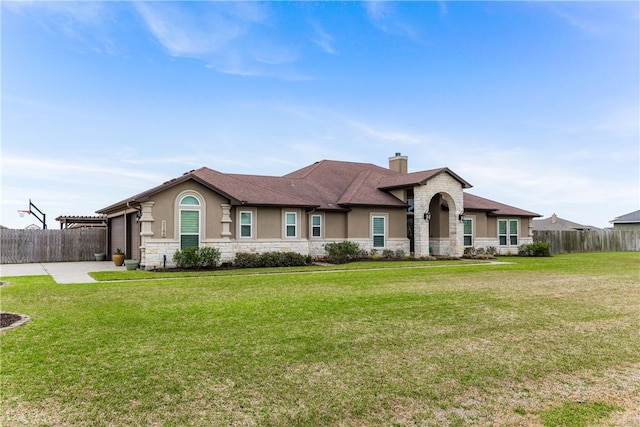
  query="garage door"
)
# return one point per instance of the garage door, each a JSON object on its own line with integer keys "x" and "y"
{"x": 116, "y": 233}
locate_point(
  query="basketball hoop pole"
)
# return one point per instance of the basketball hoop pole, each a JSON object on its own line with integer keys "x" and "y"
{"x": 43, "y": 220}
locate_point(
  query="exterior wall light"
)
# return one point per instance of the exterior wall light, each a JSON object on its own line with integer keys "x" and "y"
{"x": 427, "y": 216}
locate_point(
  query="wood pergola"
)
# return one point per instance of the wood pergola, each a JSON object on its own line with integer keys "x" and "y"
{"x": 70, "y": 221}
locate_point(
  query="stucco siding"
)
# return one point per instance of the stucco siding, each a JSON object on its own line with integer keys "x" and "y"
{"x": 335, "y": 225}
{"x": 358, "y": 223}
{"x": 268, "y": 223}
{"x": 165, "y": 208}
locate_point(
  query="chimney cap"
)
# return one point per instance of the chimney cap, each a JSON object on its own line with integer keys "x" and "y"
{"x": 398, "y": 154}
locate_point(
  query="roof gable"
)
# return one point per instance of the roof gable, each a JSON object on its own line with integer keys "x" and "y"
{"x": 493, "y": 208}
{"x": 390, "y": 182}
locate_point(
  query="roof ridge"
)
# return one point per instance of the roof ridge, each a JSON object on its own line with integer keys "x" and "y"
{"x": 353, "y": 186}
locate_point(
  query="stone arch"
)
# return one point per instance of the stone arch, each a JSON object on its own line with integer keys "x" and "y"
{"x": 443, "y": 224}
{"x": 442, "y": 187}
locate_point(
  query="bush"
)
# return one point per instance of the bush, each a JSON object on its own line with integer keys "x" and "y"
{"x": 480, "y": 253}
{"x": 537, "y": 249}
{"x": 247, "y": 260}
{"x": 206, "y": 257}
{"x": 388, "y": 253}
{"x": 270, "y": 259}
{"x": 186, "y": 258}
{"x": 342, "y": 252}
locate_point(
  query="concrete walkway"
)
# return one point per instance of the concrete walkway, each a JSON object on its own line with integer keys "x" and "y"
{"x": 62, "y": 272}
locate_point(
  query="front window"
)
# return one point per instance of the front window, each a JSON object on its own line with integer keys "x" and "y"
{"x": 468, "y": 232}
{"x": 189, "y": 222}
{"x": 246, "y": 224}
{"x": 291, "y": 224}
{"x": 508, "y": 232}
{"x": 378, "y": 231}
{"x": 316, "y": 226}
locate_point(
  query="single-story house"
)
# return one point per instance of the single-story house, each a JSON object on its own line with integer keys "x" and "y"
{"x": 627, "y": 222}
{"x": 421, "y": 213}
{"x": 555, "y": 223}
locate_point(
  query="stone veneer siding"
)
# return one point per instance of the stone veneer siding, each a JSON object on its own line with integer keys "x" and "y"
{"x": 451, "y": 189}
{"x": 156, "y": 249}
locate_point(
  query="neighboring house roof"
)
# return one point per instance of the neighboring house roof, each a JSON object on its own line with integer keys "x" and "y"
{"x": 554, "y": 222}
{"x": 493, "y": 208}
{"x": 325, "y": 185}
{"x": 629, "y": 218}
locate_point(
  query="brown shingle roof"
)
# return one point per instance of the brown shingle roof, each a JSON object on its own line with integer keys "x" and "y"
{"x": 472, "y": 202}
{"x": 326, "y": 185}
{"x": 417, "y": 178}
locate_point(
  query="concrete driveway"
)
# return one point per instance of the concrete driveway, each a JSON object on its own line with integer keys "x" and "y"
{"x": 62, "y": 272}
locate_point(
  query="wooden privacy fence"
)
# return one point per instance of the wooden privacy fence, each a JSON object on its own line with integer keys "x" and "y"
{"x": 22, "y": 246}
{"x": 589, "y": 241}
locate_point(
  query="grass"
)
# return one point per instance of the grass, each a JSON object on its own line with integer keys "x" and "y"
{"x": 578, "y": 414}
{"x": 362, "y": 265}
{"x": 509, "y": 344}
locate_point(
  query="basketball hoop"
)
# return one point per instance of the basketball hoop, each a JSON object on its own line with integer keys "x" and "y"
{"x": 22, "y": 212}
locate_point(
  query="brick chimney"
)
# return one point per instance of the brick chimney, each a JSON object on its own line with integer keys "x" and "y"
{"x": 399, "y": 163}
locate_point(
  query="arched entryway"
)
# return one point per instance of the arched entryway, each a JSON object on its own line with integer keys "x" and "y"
{"x": 443, "y": 227}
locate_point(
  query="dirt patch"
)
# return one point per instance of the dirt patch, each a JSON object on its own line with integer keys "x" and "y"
{"x": 12, "y": 320}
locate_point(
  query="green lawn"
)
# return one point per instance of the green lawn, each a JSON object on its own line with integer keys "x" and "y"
{"x": 541, "y": 341}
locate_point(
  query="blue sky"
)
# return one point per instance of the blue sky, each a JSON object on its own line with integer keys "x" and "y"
{"x": 537, "y": 105}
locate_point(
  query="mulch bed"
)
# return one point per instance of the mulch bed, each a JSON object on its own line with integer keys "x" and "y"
{"x": 8, "y": 319}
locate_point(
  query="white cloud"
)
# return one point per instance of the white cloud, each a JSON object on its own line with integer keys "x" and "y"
{"x": 545, "y": 183}
{"x": 67, "y": 187}
{"x": 624, "y": 122}
{"x": 386, "y": 136}
{"x": 324, "y": 40}
{"x": 86, "y": 23}
{"x": 232, "y": 38}
{"x": 383, "y": 15}
{"x": 598, "y": 18}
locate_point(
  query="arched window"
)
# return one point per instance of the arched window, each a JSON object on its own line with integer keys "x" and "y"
{"x": 190, "y": 211}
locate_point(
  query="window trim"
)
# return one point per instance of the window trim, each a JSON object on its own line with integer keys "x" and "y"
{"x": 240, "y": 225}
{"x": 181, "y": 233}
{"x": 471, "y": 235}
{"x": 384, "y": 234}
{"x": 312, "y": 226}
{"x": 294, "y": 225}
{"x": 180, "y": 207}
{"x": 508, "y": 235}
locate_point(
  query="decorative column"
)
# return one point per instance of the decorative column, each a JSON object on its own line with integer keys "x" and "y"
{"x": 226, "y": 221}
{"x": 421, "y": 224}
{"x": 146, "y": 221}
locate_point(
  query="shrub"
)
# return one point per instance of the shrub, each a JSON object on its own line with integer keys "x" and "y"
{"x": 206, "y": 257}
{"x": 388, "y": 253}
{"x": 480, "y": 253}
{"x": 537, "y": 249}
{"x": 186, "y": 258}
{"x": 540, "y": 249}
{"x": 342, "y": 252}
{"x": 270, "y": 259}
{"x": 247, "y": 260}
